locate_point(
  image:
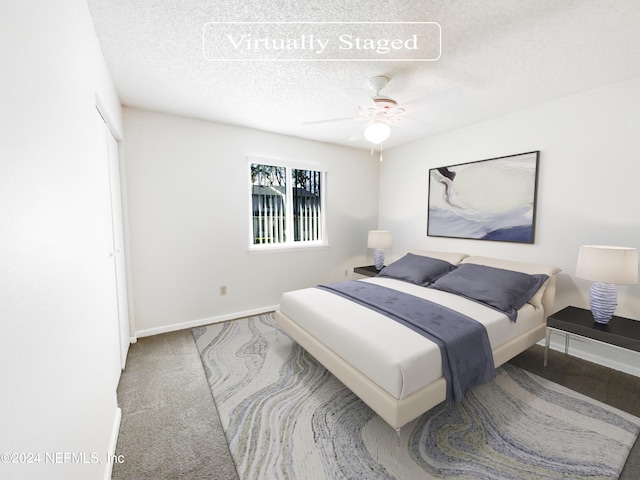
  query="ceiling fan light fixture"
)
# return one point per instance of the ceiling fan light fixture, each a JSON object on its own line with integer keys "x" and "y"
{"x": 377, "y": 132}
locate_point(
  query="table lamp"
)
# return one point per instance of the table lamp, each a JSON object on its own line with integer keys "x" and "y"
{"x": 607, "y": 267}
{"x": 379, "y": 239}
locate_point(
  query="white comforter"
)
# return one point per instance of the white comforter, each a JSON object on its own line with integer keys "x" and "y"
{"x": 396, "y": 358}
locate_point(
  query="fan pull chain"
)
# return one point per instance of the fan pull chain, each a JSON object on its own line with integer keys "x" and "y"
{"x": 372, "y": 150}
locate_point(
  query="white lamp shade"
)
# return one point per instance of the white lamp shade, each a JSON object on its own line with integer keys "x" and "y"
{"x": 606, "y": 264}
{"x": 379, "y": 239}
{"x": 377, "y": 132}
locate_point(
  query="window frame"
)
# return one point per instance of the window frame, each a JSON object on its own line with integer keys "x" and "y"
{"x": 290, "y": 243}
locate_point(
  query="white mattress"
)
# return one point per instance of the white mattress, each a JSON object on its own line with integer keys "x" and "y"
{"x": 396, "y": 358}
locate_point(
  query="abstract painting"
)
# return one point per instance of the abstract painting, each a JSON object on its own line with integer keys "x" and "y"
{"x": 492, "y": 199}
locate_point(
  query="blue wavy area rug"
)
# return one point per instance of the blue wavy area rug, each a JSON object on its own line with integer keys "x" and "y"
{"x": 286, "y": 417}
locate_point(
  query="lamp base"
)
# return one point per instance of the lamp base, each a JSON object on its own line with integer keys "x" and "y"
{"x": 603, "y": 299}
{"x": 378, "y": 258}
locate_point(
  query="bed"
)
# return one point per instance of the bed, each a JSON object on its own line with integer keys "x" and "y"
{"x": 396, "y": 371}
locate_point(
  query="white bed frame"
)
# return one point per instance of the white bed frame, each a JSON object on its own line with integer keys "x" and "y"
{"x": 398, "y": 412}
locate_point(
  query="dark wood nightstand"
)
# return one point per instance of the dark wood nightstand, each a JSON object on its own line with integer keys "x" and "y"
{"x": 621, "y": 332}
{"x": 368, "y": 271}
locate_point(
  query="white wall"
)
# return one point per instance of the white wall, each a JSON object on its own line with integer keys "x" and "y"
{"x": 188, "y": 214}
{"x": 587, "y": 188}
{"x": 59, "y": 360}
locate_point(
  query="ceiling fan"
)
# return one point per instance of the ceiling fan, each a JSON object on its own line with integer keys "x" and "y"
{"x": 377, "y": 112}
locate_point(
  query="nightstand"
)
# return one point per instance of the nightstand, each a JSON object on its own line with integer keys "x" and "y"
{"x": 573, "y": 321}
{"x": 368, "y": 271}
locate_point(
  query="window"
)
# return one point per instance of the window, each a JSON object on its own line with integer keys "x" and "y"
{"x": 286, "y": 205}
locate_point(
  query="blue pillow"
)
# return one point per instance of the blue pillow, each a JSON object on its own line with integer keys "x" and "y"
{"x": 416, "y": 269}
{"x": 503, "y": 290}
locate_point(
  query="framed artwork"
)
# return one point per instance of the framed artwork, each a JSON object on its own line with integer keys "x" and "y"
{"x": 492, "y": 199}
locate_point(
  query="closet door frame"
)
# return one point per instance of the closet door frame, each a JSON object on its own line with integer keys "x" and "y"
{"x": 117, "y": 242}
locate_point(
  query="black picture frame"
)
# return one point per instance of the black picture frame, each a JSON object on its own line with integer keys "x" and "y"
{"x": 493, "y": 199}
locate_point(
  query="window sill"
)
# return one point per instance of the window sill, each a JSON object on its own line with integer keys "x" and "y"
{"x": 287, "y": 247}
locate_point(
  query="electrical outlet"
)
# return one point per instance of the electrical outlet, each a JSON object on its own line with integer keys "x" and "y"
{"x": 223, "y": 290}
{"x": 346, "y": 273}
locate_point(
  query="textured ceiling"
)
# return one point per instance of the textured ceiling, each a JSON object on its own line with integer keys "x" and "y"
{"x": 497, "y": 56}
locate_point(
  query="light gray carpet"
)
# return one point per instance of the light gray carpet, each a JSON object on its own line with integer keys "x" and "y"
{"x": 170, "y": 427}
{"x": 285, "y": 416}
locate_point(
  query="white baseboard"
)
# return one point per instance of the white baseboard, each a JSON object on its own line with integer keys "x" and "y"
{"x": 204, "y": 321}
{"x": 112, "y": 443}
{"x": 624, "y": 360}
{"x": 596, "y": 352}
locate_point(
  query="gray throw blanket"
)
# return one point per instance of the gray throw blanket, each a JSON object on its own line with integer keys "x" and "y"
{"x": 467, "y": 360}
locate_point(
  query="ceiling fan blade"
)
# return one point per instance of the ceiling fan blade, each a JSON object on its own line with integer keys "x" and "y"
{"x": 413, "y": 123}
{"x": 358, "y": 133}
{"x": 432, "y": 101}
{"x": 333, "y": 120}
